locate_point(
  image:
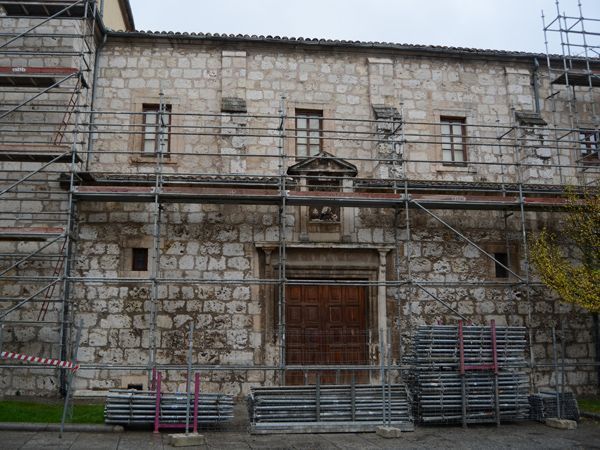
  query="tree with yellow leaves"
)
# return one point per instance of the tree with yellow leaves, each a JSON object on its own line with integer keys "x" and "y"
{"x": 575, "y": 281}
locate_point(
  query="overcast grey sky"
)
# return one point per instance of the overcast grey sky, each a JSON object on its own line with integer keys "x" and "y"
{"x": 495, "y": 24}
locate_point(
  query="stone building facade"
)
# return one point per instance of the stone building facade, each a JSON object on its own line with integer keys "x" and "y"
{"x": 275, "y": 191}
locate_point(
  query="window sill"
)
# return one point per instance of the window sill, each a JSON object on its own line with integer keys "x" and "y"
{"x": 455, "y": 167}
{"x": 150, "y": 160}
{"x": 134, "y": 274}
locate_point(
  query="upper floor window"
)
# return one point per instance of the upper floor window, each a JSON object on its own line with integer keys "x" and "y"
{"x": 589, "y": 142}
{"x": 156, "y": 129}
{"x": 453, "y": 134}
{"x": 309, "y": 132}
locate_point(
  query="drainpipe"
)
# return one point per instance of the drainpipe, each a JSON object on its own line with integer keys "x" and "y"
{"x": 93, "y": 101}
{"x": 534, "y": 82}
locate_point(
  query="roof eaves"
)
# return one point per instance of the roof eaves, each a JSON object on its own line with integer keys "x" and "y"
{"x": 439, "y": 49}
{"x": 412, "y": 48}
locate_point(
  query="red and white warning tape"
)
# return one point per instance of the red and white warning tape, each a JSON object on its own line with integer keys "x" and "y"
{"x": 36, "y": 359}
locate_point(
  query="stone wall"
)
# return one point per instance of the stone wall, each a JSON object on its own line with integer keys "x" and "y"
{"x": 197, "y": 77}
{"x": 210, "y": 253}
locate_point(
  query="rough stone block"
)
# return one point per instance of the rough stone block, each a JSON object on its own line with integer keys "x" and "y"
{"x": 561, "y": 424}
{"x": 388, "y": 432}
{"x": 186, "y": 440}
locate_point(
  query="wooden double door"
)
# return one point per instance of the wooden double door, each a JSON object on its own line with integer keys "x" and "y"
{"x": 326, "y": 325}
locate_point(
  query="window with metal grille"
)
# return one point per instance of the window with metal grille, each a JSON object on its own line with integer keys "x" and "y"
{"x": 453, "y": 134}
{"x": 139, "y": 259}
{"x": 157, "y": 126}
{"x": 309, "y": 132}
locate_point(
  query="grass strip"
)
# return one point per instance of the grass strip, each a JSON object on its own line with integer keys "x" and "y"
{"x": 33, "y": 412}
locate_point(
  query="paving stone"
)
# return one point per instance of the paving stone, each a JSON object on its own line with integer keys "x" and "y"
{"x": 561, "y": 424}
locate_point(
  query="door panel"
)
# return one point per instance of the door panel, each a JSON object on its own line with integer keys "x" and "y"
{"x": 326, "y": 325}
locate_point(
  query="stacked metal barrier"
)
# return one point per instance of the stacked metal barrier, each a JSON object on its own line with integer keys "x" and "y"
{"x": 547, "y": 404}
{"x": 487, "y": 383}
{"x": 339, "y": 408}
{"x": 131, "y": 407}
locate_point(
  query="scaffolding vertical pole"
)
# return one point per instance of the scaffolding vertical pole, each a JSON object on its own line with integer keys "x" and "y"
{"x": 196, "y": 400}
{"x": 156, "y": 232}
{"x": 399, "y": 172}
{"x": 71, "y": 225}
{"x": 158, "y": 386}
{"x": 408, "y": 238}
{"x": 555, "y": 359}
{"x": 566, "y": 63}
{"x": 282, "y": 240}
{"x": 188, "y": 384}
{"x": 318, "y": 397}
{"x": 505, "y": 214}
{"x": 495, "y": 368}
{"x": 586, "y": 52}
{"x": 523, "y": 225}
{"x": 382, "y": 373}
{"x": 388, "y": 378}
{"x": 463, "y": 387}
{"x": 562, "y": 362}
{"x": 553, "y": 98}
{"x": 68, "y": 249}
{"x": 69, "y": 387}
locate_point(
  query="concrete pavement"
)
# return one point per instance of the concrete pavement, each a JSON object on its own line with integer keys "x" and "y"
{"x": 525, "y": 435}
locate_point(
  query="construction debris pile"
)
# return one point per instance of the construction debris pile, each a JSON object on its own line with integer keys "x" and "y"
{"x": 469, "y": 374}
{"x": 328, "y": 408}
{"x": 132, "y": 407}
{"x": 553, "y": 404}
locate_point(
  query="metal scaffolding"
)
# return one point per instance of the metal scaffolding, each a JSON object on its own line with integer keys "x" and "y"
{"x": 574, "y": 76}
{"x": 61, "y": 147}
{"x": 45, "y": 90}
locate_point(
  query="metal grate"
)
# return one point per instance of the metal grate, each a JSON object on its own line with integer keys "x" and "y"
{"x": 130, "y": 407}
{"x": 545, "y": 405}
{"x": 327, "y": 408}
{"x": 493, "y": 385}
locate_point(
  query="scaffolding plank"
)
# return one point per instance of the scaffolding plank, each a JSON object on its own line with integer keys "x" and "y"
{"x": 578, "y": 78}
{"x": 295, "y": 198}
{"x": 29, "y": 233}
{"x": 36, "y": 153}
{"x": 42, "y": 8}
{"x": 16, "y": 76}
{"x": 179, "y": 194}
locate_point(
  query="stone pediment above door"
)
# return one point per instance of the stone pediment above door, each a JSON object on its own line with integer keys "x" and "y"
{"x": 324, "y": 163}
